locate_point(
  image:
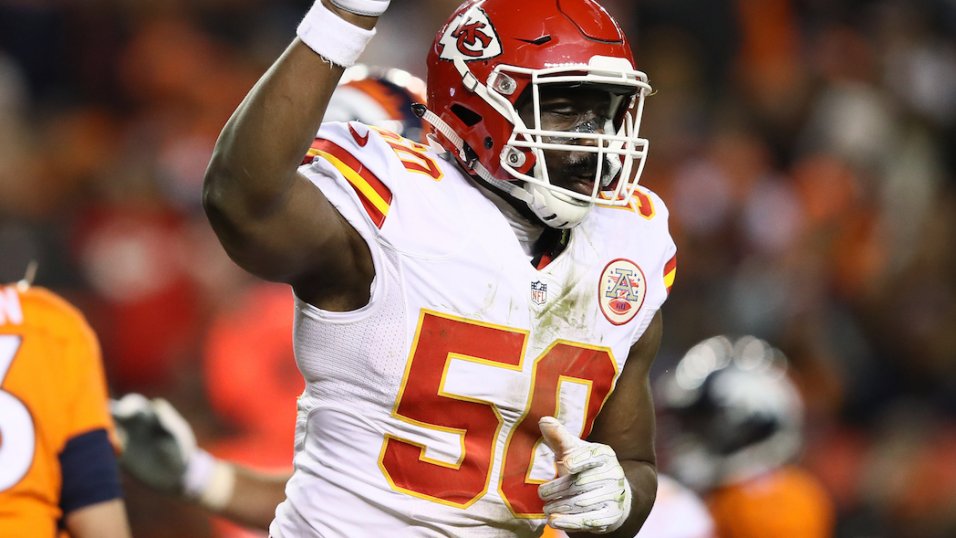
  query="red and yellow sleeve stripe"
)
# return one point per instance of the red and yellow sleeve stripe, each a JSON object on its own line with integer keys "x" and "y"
{"x": 670, "y": 272}
{"x": 374, "y": 195}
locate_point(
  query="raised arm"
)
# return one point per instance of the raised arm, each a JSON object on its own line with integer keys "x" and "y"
{"x": 271, "y": 220}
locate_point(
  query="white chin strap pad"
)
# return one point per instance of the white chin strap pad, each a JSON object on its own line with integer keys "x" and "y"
{"x": 554, "y": 209}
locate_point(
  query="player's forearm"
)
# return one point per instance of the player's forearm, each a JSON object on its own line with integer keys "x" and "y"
{"x": 642, "y": 477}
{"x": 255, "y": 497}
{"x": 254, "y": 161}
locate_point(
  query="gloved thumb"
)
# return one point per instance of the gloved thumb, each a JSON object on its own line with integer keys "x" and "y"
{"x": 559, "y": 440}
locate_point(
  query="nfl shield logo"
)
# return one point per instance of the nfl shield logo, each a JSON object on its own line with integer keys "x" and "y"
{"x": 539, "y": 292}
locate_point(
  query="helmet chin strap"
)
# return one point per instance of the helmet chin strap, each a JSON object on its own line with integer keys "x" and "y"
{"x": 554, "y": 209}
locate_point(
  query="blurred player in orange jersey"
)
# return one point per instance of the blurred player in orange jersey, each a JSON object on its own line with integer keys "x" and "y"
{"x": 736, "y": 430}
{"x": 379, "y": 96}
{"x": 58, "y": 470}
{"x": 160, "y": 446}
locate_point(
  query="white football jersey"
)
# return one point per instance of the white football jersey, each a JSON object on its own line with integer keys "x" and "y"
{"x": 420, "y": 414}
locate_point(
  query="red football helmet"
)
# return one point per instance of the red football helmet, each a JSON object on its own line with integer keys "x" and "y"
{"x": 493, "y": 53}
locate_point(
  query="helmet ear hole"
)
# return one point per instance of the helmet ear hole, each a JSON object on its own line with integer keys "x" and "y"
{"x": 468, "y": 116}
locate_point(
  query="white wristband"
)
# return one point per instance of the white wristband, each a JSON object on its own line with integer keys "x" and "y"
{"x": 332, "y": 37}
{"x": 209, "y": 480}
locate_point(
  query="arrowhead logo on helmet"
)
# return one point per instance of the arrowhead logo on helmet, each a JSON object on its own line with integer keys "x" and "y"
{"x": 470, "y": 37}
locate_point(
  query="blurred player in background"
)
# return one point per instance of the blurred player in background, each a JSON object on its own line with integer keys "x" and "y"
{"x": 379, "y": 96}
{"x": 58, "y": 470}
{"x": 732, "y": 428}
{"x": 160, "y": 448}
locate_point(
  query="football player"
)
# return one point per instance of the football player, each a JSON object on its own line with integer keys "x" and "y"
{"x": 476, "y": 319}
{"x": 737, "y": 429}
{"x": 58, "y": 469}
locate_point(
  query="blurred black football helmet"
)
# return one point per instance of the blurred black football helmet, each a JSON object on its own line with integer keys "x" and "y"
{"x": 732, "y": 411}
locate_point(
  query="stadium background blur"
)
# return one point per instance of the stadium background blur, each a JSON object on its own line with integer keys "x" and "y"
{"x": 806, "y": 150}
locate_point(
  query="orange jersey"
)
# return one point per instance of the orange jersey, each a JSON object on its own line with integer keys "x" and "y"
{"x": 52, "y": 389}
{"x": 788, "y": 502}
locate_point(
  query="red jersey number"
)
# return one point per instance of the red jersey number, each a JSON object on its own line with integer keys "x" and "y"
{"x": 423, "y": 401}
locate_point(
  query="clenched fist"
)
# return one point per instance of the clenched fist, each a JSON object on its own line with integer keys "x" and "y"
{"x": 591, "y": 493}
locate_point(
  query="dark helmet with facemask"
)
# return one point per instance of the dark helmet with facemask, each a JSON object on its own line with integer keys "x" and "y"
{"x": 733, "y": 412}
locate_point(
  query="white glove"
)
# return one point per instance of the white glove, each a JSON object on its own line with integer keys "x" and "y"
{"x": 591, "y": 493}
{"x": 370, "y": 8}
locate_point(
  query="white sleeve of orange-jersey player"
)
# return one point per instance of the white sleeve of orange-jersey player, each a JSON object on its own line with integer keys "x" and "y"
{"x": 678, "y": 513}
